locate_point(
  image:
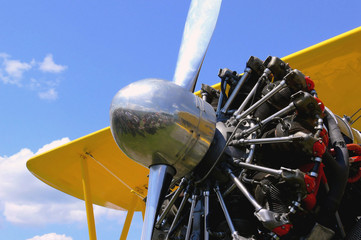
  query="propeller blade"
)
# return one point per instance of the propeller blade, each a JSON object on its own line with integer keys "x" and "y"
{"x": 201, "y": 22}
{"x": 160, "y": 177}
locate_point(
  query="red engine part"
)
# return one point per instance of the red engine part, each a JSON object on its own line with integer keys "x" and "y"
{"x": 355, "y": 157}
{"x": 320, "y": 104}
{"x": 282, "y": 230}
{"x": 324, "y": 136}
{"x": 319, "y": 148}
{"x": 312, "y": 185}
{"x": 355, "y": 150}
{"x": 309, "y": 83}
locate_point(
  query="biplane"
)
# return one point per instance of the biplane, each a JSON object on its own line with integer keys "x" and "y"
{"x": 94, "y": 169}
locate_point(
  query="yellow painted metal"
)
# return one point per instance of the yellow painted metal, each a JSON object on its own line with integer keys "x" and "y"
{"x": 334, "y": 65}
{"x": 113, "y": 175}
{"x": 143, "y": 211}
{"x": 128, "y": 219}
{"x": 88, "y": 198}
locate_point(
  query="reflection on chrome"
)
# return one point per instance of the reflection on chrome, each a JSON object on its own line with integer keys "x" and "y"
{"x": 165, "y": 124}
{"x": 201, "y": 22}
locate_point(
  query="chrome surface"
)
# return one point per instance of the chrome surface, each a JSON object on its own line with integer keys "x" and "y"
{"x": 345, "y": 127}
{"x": 271, "y": 171}
{"x": 266, "y": 73}
{"x": 235, "y": 92}
{"x": 171, "y": 202}
{"x": 198, "y": 30}
{"x": 248, "y": 160}
{"x": 206, "y": 212}
{"x": 280, "y": 113}
{"x": 245, "y": 192}
{"x": 357, "y": 135}
{"x": 190, "y": 218}
{"x": 290, "y": 138}
{"x": 270, "y": 94}
{"x": 158, "y": 181}
{"x": 155, "y": 121}
{"x": 234, "y": 233}
{"x": 178, "y": 214}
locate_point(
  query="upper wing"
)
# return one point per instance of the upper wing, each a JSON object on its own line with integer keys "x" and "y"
{"x": 334, "y": 65}
{"x": 114, "y": 178}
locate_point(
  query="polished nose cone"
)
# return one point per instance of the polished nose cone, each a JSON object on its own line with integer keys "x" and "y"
{"x": 158, "y": 122}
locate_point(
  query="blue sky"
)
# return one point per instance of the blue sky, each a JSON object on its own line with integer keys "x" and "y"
{"x": 61, "y": 63}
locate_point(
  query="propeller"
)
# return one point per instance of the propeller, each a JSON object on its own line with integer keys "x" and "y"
{"x": 162, "y": 125}
{"x": 201, "y": 22}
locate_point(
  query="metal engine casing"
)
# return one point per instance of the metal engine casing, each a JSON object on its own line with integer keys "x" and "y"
{"x": 155, "y": 121}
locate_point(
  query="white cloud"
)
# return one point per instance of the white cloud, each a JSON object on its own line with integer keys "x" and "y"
{"x": 12, "y": 71}
{"x": 25, "y": 200}
{"x": 51, "y": 236}
{"x": 48, "y": 65}
{"x": 52, "y": 145}
{"x": 15, "y": 68}
{"x": 50, "y": 94}
{"x": 45, "y": 213}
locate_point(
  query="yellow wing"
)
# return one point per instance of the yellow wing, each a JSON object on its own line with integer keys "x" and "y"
{"x": 114, "y": 178}
{"x": 334, "y": 65}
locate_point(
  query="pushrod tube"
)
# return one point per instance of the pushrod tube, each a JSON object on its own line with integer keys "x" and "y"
{"x": 280, "y": 113}
{"x": 271, "y": 171}
{"x": 171, "y": 202}
{"x": 249, "y": 159}
{"x": 178, "y": 214}
{"x": 244, "y": 191}
{"x": 252, "y": 92}
{"x": 206, "y": 212}
{"x": 190, "y": 219}
{"x": 262, "y": 100}
{"x": 235, "y": 92}
{"x": 288, "y": 139}
{"x": 226, "y": 213}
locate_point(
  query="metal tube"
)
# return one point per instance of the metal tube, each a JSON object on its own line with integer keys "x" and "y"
{"x": 206, "y": 212}
{"x": 190, "y": 219}
{"x": 262, "y": 100}
{"x": 252, "y": 92}
{"x": 290, "y": 138}
{"x": 225, "y": 211}
{"x": 88, "y": 198}
{"x": 280, "y": 113}
{"x": 180, "y": 209}
{"x": 252, "y": 149}
{"x": 249, "y": 159}
{"x": 171, "y": 202}
{"x": 128, "y": 219}
{"x": 260, "y": 168}
{"x": 235, "y": 92}
{"x": 245, "y": 191}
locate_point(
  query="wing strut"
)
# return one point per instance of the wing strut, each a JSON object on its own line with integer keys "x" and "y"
{"x": 128, "y": 219}
{"x": 88, "y": 198}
